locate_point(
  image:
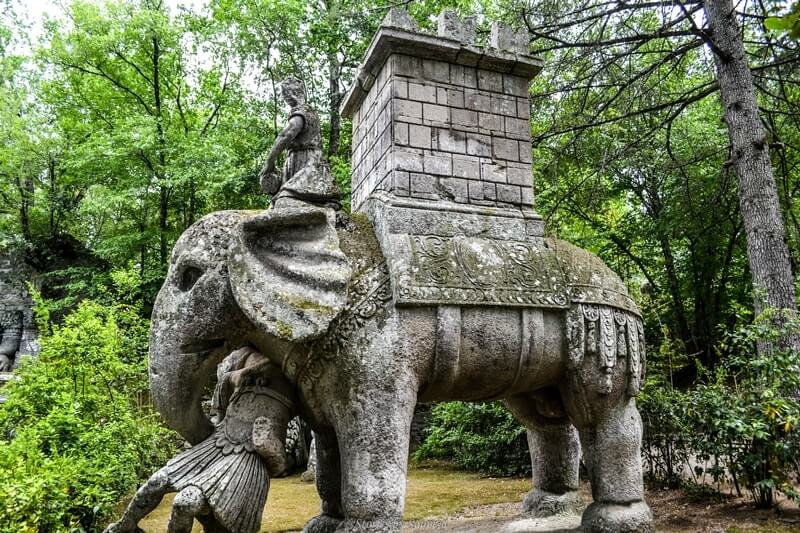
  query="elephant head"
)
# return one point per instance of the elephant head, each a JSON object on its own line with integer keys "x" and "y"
{"x": 275, "y": 275}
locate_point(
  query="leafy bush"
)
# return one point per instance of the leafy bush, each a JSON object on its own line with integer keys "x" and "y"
{"x": 75, "y": 431}
{"x": 481, "y": 437}
{"x": 741, "y": 423}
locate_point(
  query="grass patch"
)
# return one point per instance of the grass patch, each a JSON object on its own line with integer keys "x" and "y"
{"x": 433, "y": 491}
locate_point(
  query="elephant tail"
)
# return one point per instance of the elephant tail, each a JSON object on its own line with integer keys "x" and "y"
{"x": 600, "y": 338}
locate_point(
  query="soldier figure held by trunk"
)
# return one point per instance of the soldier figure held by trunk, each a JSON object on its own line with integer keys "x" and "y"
{"x": 224, "y": 480}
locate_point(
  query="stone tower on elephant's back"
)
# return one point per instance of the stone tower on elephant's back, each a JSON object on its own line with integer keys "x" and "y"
{"x": 438, "y": 119}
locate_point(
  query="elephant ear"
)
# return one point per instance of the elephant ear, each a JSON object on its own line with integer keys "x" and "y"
{"x": 287, "y": 272}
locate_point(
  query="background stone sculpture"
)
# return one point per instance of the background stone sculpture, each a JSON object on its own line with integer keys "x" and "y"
{"x": 442, "y": 287}
{"x": 17, "y": 328}
{"x": 11, "y": 324}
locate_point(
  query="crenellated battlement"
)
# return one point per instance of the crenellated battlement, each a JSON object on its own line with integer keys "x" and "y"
{"x": 439, "y": 118}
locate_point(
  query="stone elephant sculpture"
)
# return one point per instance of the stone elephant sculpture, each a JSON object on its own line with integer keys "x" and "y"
{"x": 311, "y": 290}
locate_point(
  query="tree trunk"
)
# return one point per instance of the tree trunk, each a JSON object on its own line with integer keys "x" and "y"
{"x": 25, "y": 187}
{"x": 163, "y": 204}
{"x": 334, "y": 77}
{"x": 767, "y": 251}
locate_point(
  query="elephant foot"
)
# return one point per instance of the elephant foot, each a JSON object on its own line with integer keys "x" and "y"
{"x": 370, "y": 526}
{"x": 633, "y": 517}
{"x": 541, "y": 504}
{"x": 322, "y": 524}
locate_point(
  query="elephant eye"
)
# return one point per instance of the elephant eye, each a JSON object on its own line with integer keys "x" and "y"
{"x": 189, "y": 277}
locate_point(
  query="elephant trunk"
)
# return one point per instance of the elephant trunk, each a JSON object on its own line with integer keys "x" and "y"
{"x": 178, "y": 377}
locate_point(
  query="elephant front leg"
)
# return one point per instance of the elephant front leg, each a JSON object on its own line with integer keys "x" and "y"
{"x": 329, "y": 484}
{"x": 555, "y": 456}
{"x": 613, "y": 458}
{"x": 374, "y": 439}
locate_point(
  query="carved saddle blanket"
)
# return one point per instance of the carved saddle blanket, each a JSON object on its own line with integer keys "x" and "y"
{"x": 461, "y": 270}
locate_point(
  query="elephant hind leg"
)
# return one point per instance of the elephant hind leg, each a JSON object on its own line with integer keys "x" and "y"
{"x": 329, "y": 484}
{"x": 555, "y": 454}
{"x": 613, "y": 459}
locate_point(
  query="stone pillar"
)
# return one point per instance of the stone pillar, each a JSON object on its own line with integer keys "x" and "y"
{"x": 437, "y": 118}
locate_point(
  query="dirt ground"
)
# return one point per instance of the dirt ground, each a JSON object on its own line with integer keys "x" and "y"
{"x": 675, "y": 512}
{"x": 442, "y": 500}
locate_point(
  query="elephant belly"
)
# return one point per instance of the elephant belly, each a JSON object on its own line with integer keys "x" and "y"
{"x": 492, "y": 352}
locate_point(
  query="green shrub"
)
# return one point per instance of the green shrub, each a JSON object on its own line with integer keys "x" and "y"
{"x": 480, "y": 437}
{"x": 740, "y": 423}
{"x": 75, "y": 431}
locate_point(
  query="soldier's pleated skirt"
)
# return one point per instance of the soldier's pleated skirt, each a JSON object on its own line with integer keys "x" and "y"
{"x": 235, "y": 484}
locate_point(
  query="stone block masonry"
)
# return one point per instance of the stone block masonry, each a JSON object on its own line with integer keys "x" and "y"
{"x": 438, "y": 118}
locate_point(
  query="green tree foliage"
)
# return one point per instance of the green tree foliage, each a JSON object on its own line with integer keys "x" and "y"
{"x": 482, "y": 437}
{"x": 159, "y": 127}
{"x": 76, "y": 433}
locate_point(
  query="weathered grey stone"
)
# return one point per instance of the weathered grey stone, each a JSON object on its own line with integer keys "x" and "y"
{"x": 494, "y": 173}
{"x": 437, "y": 114}
{"x": 515, "y": 85}
{"x": 462, "y": 76}
{"x": 419, "y": 136}
{"x": 523, "y": 108}
{"x": 518, "y": 175}
{"x": 437, "y": 164}
{"x": 451, "y": 26}
{"x": 407, "y": 160}
{"x": 399, "y": 18}
{"x": 509, "y": 194}
{"x": 449, "y": 292}
{"x": 422, "y": 92}
{"x": 18, "y": 334}
{"x": 517, "y": 128}
{"x": 479, "y": 145}
{"x": 451, "y": 141}
{"x": 489, "y": 191}
{"x": 489, "y": 80}
{"x": 504, "y": 105}
{"x": 455, "y": 97}
{"x": 11, "y": 328}
{"x": 556, "y": 305}
{"x": 310, "y": 475}
{"x": 527, "y": 199}
{"x": 503, "y": 37}
{"x": 434, "y": 70}
{"x": 454, "y": 189}
{"x": 401, "y": 133}
{"x": 466, "y": 167}
{"x": 464, "y": 117}
{"x": 490, "y": 122}
{"x": 407, "y": 110}
{"x": 477, "y": 101}
{"x": 423, "y": 184}
{"x": 507, "y": 149}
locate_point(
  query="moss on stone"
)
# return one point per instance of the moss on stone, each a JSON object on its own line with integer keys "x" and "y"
{"x": 284, "y": 330}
